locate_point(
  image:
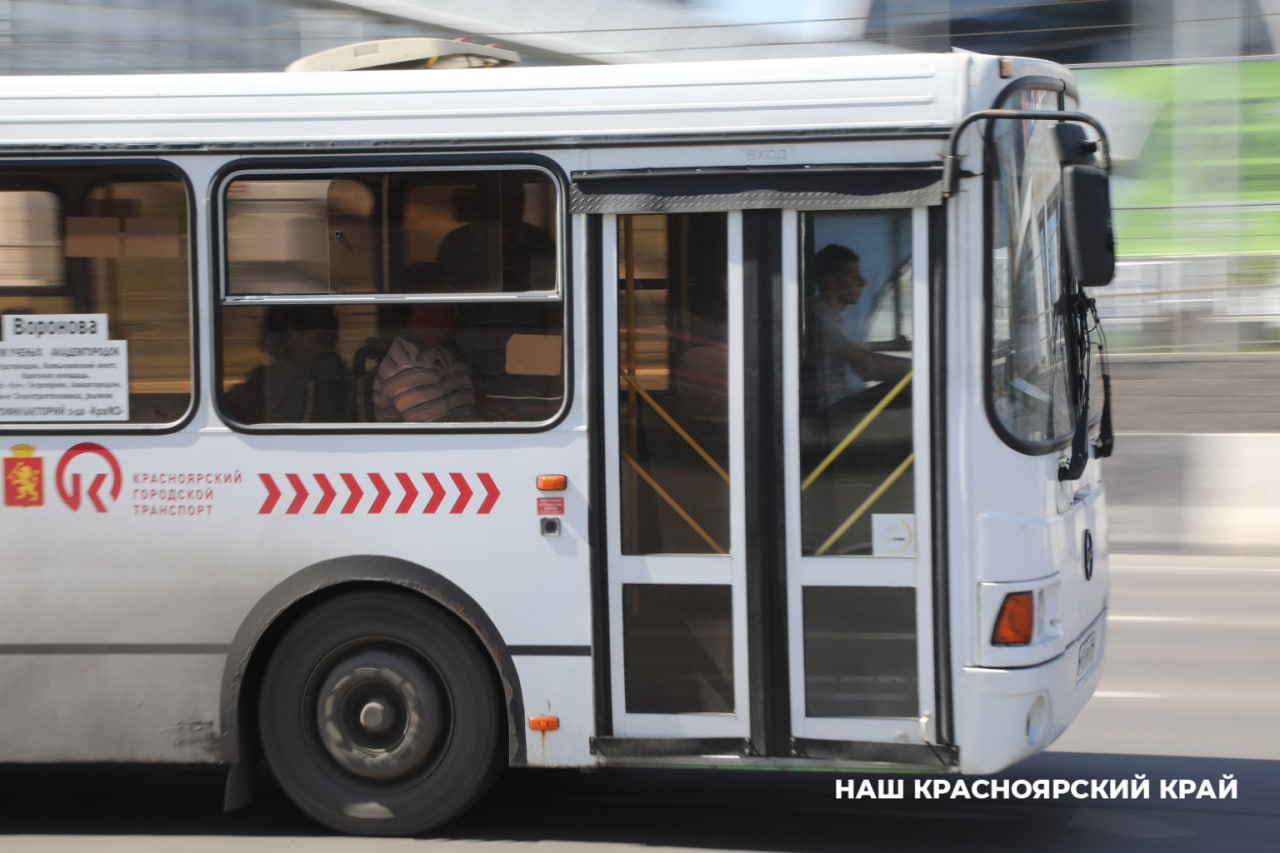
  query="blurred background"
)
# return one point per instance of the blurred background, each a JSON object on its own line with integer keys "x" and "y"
{"x": 1189, "y": 91}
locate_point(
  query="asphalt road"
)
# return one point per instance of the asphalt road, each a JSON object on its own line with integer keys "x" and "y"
{"x": 1193, "y": 660}
{"x": 1196, "y": 392}
{"x": 1190, "y": 693}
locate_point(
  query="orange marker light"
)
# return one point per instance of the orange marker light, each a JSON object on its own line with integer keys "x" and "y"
{"x": 544, "y": 724}
{"x": 552, "y": 482}
{"x": 1016, "y": 620}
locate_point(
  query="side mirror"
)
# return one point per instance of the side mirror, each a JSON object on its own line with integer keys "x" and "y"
{"x": 1074, "y": 145}
{"x": 1086, "y": 209}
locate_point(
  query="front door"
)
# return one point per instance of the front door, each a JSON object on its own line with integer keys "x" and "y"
{"x": 765, "y": 492}
{"x": 857, "y": 496}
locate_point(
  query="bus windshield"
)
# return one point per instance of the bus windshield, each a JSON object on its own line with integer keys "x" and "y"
{"x": 1029, "y": 364}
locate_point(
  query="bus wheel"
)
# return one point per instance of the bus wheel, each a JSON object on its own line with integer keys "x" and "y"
{"x": 381, "y": 715}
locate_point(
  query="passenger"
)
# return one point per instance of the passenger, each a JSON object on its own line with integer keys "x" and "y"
{"x": 500, "y": 251}
{"x": 421, "y": 378}
{"x": 467, "y": 253}
{"x": 304, "y": 379}
{"x": 840, "y": 367}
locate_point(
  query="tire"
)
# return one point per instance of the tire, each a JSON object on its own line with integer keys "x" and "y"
{"x": 381, "y": 715}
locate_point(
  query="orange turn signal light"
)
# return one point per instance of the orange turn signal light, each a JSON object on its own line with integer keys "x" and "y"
{"x": 552, "y": 482}
{"x": 1016, "y": 620}
{"x": 544, "y": 724}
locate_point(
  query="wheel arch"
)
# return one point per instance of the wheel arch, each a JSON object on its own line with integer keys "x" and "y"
{"x": 297, "y": 594}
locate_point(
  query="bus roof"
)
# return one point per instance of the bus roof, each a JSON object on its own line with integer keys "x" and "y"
{"x": 543, "y": 104}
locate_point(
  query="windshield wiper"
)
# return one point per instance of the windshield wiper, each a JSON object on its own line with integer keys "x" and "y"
{"x": 1084, "y": 310}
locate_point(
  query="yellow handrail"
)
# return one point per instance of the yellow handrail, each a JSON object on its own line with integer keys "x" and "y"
{"x": 857, "y": 431}
{"x": 662, "y": 413}
{"x": 865, "y": 505}
{"x": 671, "y": 502}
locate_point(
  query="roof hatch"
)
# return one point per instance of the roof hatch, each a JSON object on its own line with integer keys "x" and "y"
{"x": 406, "y": 53}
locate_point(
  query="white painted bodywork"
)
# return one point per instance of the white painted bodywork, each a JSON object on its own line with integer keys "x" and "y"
{"x": 76, "y": 581}
{"x": 465, "y": 107}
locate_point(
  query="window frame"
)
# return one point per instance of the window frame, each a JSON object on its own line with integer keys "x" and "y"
{"x": 289, "y": 166}
{"x": 151, "y": 166}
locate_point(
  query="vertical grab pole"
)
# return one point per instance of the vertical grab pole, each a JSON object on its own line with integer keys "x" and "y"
{"x": 633, "y": 410}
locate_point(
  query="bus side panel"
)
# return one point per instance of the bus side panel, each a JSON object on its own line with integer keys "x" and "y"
{"x": 557, "y": 687}
{"x": 110, "y": 707}
{"x": 117, "y": 614}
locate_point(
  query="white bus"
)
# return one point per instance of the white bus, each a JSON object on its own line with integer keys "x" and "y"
{"x": 397, "y": 427}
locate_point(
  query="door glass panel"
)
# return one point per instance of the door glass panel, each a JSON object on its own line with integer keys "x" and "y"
{"x": 856, "y": 449}
{"x": 678, "y": 647}
{"x": 673, "y": 384}
{"x": 860, "y": 651}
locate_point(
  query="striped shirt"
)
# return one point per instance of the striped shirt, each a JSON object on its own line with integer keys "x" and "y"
{"x": 416, "y": 383}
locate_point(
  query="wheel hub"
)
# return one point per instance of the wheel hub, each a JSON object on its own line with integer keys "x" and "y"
{"x": 381, "y": 714}
{"x": 376, "y": 717}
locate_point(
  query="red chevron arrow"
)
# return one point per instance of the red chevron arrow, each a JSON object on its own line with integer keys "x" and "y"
{"x": 437, "y": 493}
{"x": 410, "y": 493}
{"x": 491, "y": 493}
{"x": 383, "y": 494}
{"x": 357, "y": 493}
{"x": 327, "y": 494}
{"x": 299, "y": 494}
{"x": 273, "y": 494}
{"x": 464, "y": 493}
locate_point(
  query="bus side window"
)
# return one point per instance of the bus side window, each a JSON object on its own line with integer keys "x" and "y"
{"x": 96, "y": 259}
{"x": 372, "y": 251}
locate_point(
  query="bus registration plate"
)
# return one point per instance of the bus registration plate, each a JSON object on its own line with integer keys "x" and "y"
{"x": 1087, "y": 654}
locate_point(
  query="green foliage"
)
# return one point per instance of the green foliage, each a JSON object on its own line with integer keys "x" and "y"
{"x": 1201, "y": 175}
